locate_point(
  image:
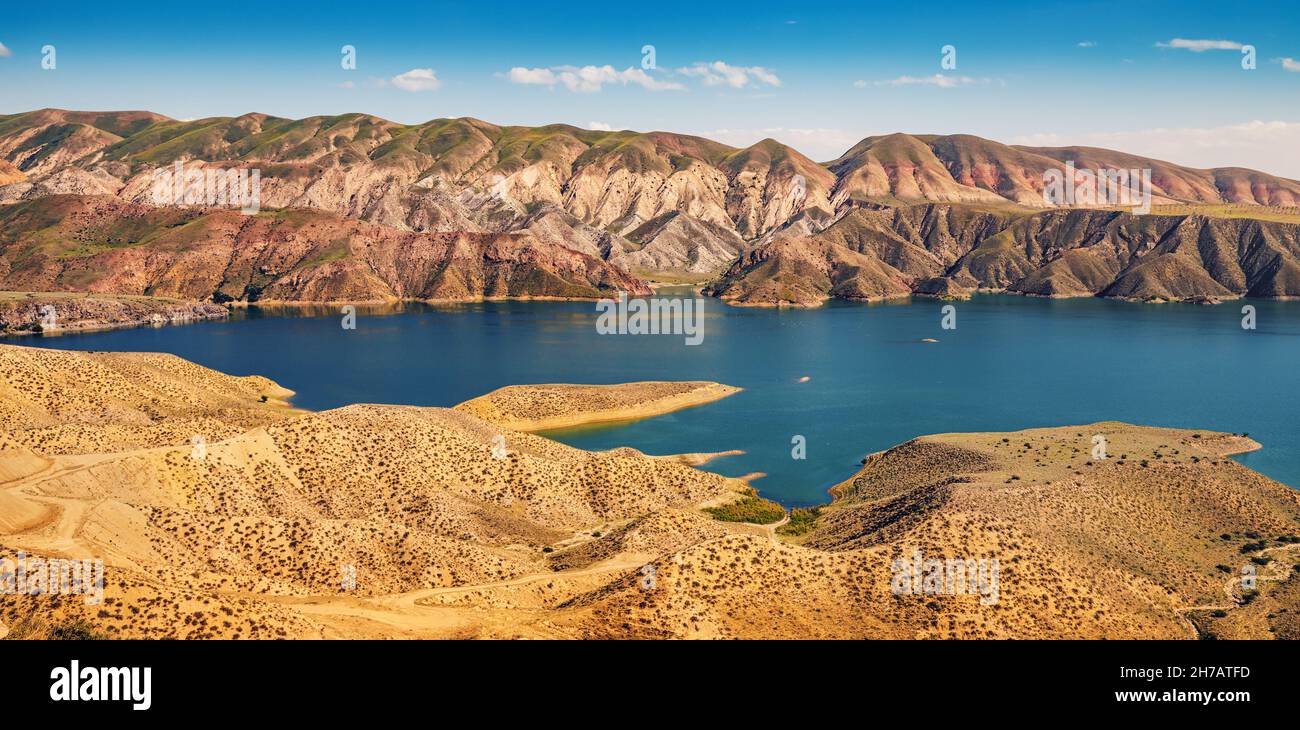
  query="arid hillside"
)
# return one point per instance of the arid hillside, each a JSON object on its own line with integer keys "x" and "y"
{"x": 103, "y": 245}
{"x": 385, "y": 521}
{"x": 35, "y": 312}
{"x": 670, "y": 202}
{"x": 1148, "y": 543}
{"x": 653, "y": 205}
{"x": 58, "y": 402}
{"x": 951, "y": 249}
{"x": 962, "y": 168}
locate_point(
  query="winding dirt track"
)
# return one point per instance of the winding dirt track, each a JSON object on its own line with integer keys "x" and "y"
{"x": 417, "y": 610}
{"x": 1278, "y": 572}
{"x": 71, "y": 513}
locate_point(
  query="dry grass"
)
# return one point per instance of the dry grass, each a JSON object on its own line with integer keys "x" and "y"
{"x": 448, "y": 540}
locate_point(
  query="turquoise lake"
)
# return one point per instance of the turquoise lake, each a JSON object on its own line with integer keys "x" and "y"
{"x": 1011, "y": 363}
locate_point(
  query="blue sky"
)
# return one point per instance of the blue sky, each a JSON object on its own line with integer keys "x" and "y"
{"x": 818, "y": 77}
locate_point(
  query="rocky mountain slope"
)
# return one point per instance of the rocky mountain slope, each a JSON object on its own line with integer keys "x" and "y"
{"x": 950, "y": 249}
{"x": 103, "y": 244}
{"x": 32, "y": 312}
{"x": 447, "y": 175}
{"x": 962, "y": 168}
{"x": 461, "y": 208}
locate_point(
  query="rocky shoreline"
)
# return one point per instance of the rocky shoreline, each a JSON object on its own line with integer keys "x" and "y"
{"x": 29, "y": 313}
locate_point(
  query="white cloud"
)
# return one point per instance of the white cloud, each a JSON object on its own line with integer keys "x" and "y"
{"x": 588, "y": 79}
{"x": 1290, "y": 64}
{"x": 417, "y": 79}
{"x": 1272, "y": 147}
{"x": 860, "y": 84}
{"x": 737, "y": 77}
{"x": 600, "y": 126}
{"x": 1086, "y": 44}
{"x": 939, "y": 80}
{"x": 4, "y": 51}
{"x": 1199, "y": 46}
{"x": 347, "y": 85}
{"x": 819, "y": 144}
{"x": 521, "y": 75}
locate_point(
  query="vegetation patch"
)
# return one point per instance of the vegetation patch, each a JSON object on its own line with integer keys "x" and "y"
{"x": 752, "y": 508}
{"x": 801, "y": 521}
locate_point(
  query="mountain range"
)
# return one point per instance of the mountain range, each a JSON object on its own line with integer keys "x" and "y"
{"x": 355, "y": 207}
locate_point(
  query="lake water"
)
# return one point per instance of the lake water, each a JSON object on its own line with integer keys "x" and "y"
{"x": 1011, "y": 363}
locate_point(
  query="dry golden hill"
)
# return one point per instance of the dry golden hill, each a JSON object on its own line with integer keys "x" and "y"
{"x": 452, "y": 526}
{"x": 404, "y": 499}
{"x": 1127, "y": 547}
{"x": 561, "y": 405}
{"x": 64, "y": 402}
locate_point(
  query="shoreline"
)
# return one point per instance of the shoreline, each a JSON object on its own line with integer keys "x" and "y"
{"x": 392, "y": 306}
{"x": 21, "y": 313}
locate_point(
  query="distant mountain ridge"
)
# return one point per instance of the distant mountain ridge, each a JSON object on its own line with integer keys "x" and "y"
{"x": 951, "y": 250}
{"x": 653, "y": 205}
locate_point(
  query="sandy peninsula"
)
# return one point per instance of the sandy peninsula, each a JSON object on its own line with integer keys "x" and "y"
{"x": 562, "y": 405}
